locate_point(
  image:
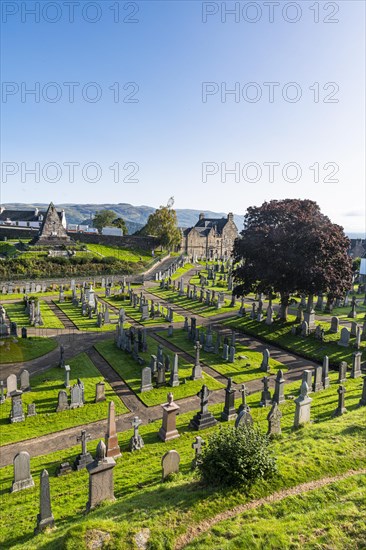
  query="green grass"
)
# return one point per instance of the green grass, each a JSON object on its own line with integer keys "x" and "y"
{"x": 18, "y": 296}
{"x": 330, "y": 517}
{"x": 132, "y": 256}
{"x": 327, "y": 447}
{"x": 135, "y": 314}
{"x": 83, "y": 322}
{"x": 17, "y": 314}
{"x": 242, "y": 370}
{"x": 130, "y": 371}
{"x": 279, "y": 333}
{"x": 181, "y": 271}
{"x": 194, "y": 306}
{"x": 24, "y": 349}
{"x": 44, "y": 393}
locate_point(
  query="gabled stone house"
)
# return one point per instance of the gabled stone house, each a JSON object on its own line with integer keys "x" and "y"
{"x": 210, "y": 237}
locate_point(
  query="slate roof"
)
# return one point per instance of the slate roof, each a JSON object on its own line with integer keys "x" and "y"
{"x": 204, "y": 226}
{"x": 23, "y": 215}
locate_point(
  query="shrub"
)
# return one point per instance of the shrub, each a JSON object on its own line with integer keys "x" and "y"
{"x": 237, "y": 456}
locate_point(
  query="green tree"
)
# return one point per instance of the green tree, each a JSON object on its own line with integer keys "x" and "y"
{"x": 103, "y": 218}
{"x": 290, "y": 247}
{"x": 163, "y": 225}
{"x": 120, "y": 222}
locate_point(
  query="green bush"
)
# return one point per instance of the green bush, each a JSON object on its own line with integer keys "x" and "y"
{"x": 237, "y": 456}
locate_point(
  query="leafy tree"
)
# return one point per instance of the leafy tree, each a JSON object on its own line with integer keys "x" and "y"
{"x": 103, "y": 218}
{"x": 163, "y": 225}
{"x": 237, "y": 456}
{"x": 120, "y": 222}
{"x": 289, "y": 246}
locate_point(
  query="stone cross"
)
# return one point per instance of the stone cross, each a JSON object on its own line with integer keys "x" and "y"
{"x": 341, "y": 409}
{"x": 83, "y": 438}
{"x": 203, "y": 394}
{"x": 45, "y": 517}
{"x": 266, "y": 399}
{"x": 197, "y": 447}
{"x": 244, "y": 392}
{"x": 229, "y": 412}
{"x": 278, "y": 395}
{"x": 136, "y": 441}
{"x": 197, "y": 347}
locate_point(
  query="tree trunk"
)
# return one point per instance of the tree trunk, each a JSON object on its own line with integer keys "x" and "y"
{"x": 285, "y": 298}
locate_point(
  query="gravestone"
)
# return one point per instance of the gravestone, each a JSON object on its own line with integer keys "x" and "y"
{"x": 24, "y": 332}
{"x": 342, "y": 372}
{"x": 203, "y": 419}
{"x": 243, "y": 405}
{"x": 229, "y": 412}
{"x": 111, "y": 437}
{"x": 22, "y": 475}
{"x": 318, "y": 382}
{"x": 197, "y": 369}
{"x": 45, "y": 517}
{"x": 341, "y": 409}
{"x": 244, "y": 418}
{"x": 265, "y": 361}
{"x": 334, "y": 325}
{"x": 232, "y": 352}
{"x": 279, "y": 395}
{"x": 146, "y": 384}
{"x": 31, "y": 411}
{"x": 325, "y": 373}
{"x": 63, "y": 402}
{"x": 11, "y": 384}
{"x": 307, "y": 376}
{"x": 84, "y": 457}
{"x": 2, "y": 396}
{"x": 168, "y": 429}
{"x": 24, "y": 381}
{"x": 16, "y": 414}
{"x": 266, "y": 399}
{"x": 170, "y": 463}
{"x": 274, "y": 420}
{"x": 354, "y": 328}
{"x": 161, "y": 380}
{"x": 101, "y": 483}
{"x": 76, "y": 393}
{"x": 64, "y": 469}
{"x": 356, "y": 365}
{"x": 100, "y": 391}
{"x": 61, "y": 362}
{"x": 303, "y": 403}
{"x": 136, "y": 441}
{"x": 174, "y": 376}
{"x": 225, "y": 352}
{"x": 304, "y": 329}
{"x": 197, "y": 447}
{"x": 362, "y": 402}
{"x": 344, "y": 338}
{"x": 67, "y": 376}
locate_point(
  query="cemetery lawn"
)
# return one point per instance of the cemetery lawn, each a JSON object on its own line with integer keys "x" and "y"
{"x": 194, "y": 306}
{"x": 15, "y": 312}
{"x": 325, "y": 448}
{"x": 83, "y": 322}
{"x": 333, "y": 517}
{"x": 135, "y": 314}
{"x": 279, "y": 333}
{"x": 24, "y": 349}
{"x": 241, "y": 371}
{"x": 44, "y": 393}
{"x": 127, "y": 255}
{"x": 182, "y": 271}
{"x": 18, "y": 296}
{"x": 130, "y": 371}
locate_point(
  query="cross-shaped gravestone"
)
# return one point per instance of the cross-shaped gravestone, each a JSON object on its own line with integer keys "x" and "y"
{"x": 197, "y": 446}
{"x": 197, "y": 347}
{"x": 83, "y": 438}
{"x": 136, "y": 422}
{"x": 203, "y": 395}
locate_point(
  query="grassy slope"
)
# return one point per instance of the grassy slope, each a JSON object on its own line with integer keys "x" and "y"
{"x": 83, "y": 322}
{"x": 16, "y": 313}
{"x": 130, "y": 371}
{"x": 132, "y": 256}
{"x": 45, "y": 388}
{"x": 240, "y": 371}
{"x": 326, "y": 448}
{"x": 280, "y": 333}
{"x": 331, "y": 517}
{"x": 24, "y": 350}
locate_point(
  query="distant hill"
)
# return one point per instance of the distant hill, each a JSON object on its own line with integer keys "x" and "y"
{"x": 135, "y": 216}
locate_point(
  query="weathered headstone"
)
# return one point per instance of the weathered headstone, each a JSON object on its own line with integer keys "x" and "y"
{"x": 266, "y": 399}
{"x": 274, "y": 420}
{"x": 24, "y": 381}
{"x": 63, "y": 402}
{"x": 334, "y": 325}
{"x": 31, "y": 411}
{"x": 362, "y": 402}
{"x": 265, "y": 361}
{"x": 67, "y": 376}
{"x": 279, "y": 395}
{"x": 342, "y": 372}
{"x": 244, "y": 418}
{"x": 318, "y": 382}
{"x": 146, "y": 384}
{"x": 229, "y": 412}
{"x": 11, "y": 384}
{"x": 84, "y": 457}
{"x": 174, "y": 376}
{"x": 197, "y": 447}
{"x": 168, "y": 429}
{"x": 111, "y": 437}
{"x": 101, "y": 483}
{"x": 17, "y": 413}
{"x": 307, "y": 376}
{"x": 197, "y": 369}
{"x": 325, "y": 373}
{"x": 344, "y": 339}
{"x": 22, "y": 474}
{"x": 45, "y": 517}
{"x": 100, "y": 391}
{"x": 356, "y": 365}
{"x": 136, "y": 441}
{"x": 203, "y": 419}
{"x": 63, "y": 469}
{"x": 341, "y": 409}
{"x": 170, "y": 463}
{"x": 303, "y": 403}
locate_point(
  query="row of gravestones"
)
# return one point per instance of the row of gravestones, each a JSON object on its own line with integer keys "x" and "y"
{"x": 149, "y": 309}
{"x": 210, "y": 343}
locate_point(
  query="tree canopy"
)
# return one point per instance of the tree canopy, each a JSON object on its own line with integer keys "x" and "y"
{"x": 104, "y": 218}
{"x": 163, "y": 225}
{"x": 289, "y": 246}
{"x": 120, "y": 222}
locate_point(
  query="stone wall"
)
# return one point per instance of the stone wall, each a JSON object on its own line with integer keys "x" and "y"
{"x": 128, "y": 241}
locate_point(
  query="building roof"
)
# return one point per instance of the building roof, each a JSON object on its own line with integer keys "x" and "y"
{"x": 23, "y": 215}
{"x": 204, "y": 225}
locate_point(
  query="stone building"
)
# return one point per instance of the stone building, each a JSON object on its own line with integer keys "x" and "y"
{"x": 52, "y": 231}
{"x": 32, "y": 219}
{"x": 210, "y": 237}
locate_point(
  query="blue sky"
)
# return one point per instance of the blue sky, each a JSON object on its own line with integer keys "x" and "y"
{"x": 170, "y": 132}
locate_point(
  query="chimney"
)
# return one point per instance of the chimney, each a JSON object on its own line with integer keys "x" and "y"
{"x": 201, "y": 216}
{"x": 230, "y": 216}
